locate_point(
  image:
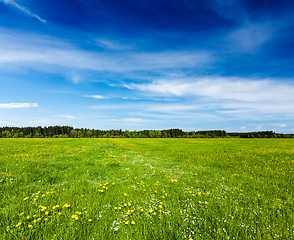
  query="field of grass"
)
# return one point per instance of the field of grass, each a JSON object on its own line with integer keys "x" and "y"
{"x": 146, "y": 189}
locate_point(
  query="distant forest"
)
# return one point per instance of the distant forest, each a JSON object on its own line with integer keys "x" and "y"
{"x": 70, "y": 132}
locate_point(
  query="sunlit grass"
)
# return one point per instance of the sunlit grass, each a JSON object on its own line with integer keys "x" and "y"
{"x": 146, "y": 188}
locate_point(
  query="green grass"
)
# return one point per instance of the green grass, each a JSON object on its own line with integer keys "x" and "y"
{"x": 146, "y": 189}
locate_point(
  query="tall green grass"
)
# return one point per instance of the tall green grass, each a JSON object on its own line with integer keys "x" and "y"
{"x": 146, "y": 188}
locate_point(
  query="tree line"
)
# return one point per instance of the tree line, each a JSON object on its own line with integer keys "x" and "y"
{"x": 70, "y": 132}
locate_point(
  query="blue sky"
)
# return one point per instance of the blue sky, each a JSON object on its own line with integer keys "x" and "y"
{"x": 194, "y": 65}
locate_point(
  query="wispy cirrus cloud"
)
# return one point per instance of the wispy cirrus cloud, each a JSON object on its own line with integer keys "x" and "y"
{"x": 95, "y": 96}
{"x": 233, "y": 98}
{"x": 132, "y": 121}
{"x": 22, "y": 9}
{"x": 221, "y": 88}
{"x": 18, "y": 105}
{"x": 282, "y": 125}
{"x": 50, "y": 54}
{"x": 248, "y": 38}
{"x": 65, "y": 116}
{"x": 109, "y": 44}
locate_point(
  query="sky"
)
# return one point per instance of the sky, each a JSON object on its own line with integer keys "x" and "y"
{"x": 188, "y": 64}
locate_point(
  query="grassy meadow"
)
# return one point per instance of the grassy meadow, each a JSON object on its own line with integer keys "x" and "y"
{"x": 146, "y": 189}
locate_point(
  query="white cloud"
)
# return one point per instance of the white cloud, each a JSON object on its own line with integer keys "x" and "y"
{"x": 243, "y": 128}
{"x": 234, "y": 97}
{"x": 169, "y": 108}
{"x": 129, "y": 86}
{"x": 132, "y": 120}
{"x": 22, "y": 9}
{"x": 65, "y": 116}
{"x": 248, "y": 38}
{"x": 50, "y": 54}
{"x": 18, "y": 105}
{"x": 222, "y": 88}
{"x": 95, "y": 96}
{"x": 280, "y": 125}
{"x": 76, "y": 79}
{"x": 258, "y": 127}
{"x": 106, "y": 43}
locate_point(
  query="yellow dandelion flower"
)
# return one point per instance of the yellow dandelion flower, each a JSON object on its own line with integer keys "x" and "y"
{"x": 59, "y": 213}
{"x": 35, "y": 221}
{"x": 46, "y": 212}
{"x": 133, "y": 222}
{"x": 45, "y": 219}
{"x": 26, "y": 198}
{"x": 125, "y": 204}
{"x": 17, "y": 225}
{"x": 206, "y": 202}
{"x": 125, "y": 194}
{"x": 28, "y": 217}
{"x": 154, "y": 213}
{"x": 150, "y": 210}
{"x": 90, "y": 220}
{"x": 35, "y": 215}
{"x": 126, "y": 222}
{"x": 30, "y": 226}
{"x": 21, "y": 214}
{"x": 199, "y": 201}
